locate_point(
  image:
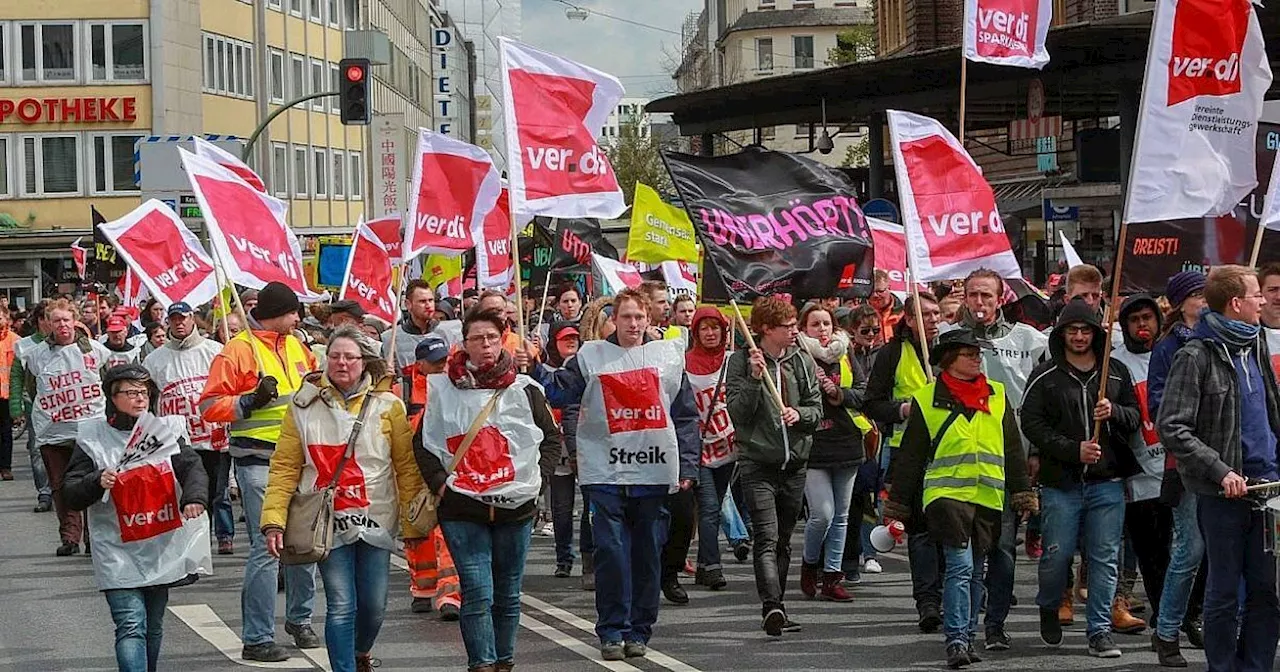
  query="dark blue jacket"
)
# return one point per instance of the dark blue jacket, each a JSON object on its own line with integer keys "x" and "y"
{"x": 1161, "y": 360}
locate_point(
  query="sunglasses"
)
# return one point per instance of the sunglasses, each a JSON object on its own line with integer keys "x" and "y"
{"x": 868, "y": 331}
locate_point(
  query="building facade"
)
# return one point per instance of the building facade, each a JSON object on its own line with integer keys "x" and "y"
{"x": 627, "y": 111}
{"x": 481, "y": 22}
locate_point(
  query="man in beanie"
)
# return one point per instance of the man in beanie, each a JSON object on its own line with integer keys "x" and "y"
{"x": 250, "y": 385}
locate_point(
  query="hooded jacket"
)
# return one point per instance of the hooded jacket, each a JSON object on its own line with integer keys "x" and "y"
{"x": 706, "y": 371}
{"x": 1127, "y": 308}
{"x": 699, "y": 360}
{"x": 553, "y": 351}
{"x": 1150, "y": 456}
{"x": 1057, "y": 410}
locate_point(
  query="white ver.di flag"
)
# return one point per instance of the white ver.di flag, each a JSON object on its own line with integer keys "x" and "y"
{"x": 1207, "y": 72}
{"x": 1007, "y": 32}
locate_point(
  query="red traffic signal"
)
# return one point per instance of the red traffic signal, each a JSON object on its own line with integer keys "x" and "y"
{"x": 353, "y": 92}
{"x": 355, "y": 73}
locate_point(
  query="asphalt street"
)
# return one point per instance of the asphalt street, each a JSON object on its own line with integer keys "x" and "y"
{"x": 53, "y": 618}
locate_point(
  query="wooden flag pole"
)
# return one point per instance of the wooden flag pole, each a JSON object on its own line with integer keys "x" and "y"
{"x": 399, "y": 316}
{"x": 221, "y": 279}
{"x": 774, "y": 393}
{"x": 964, "y": 86}
{"x": 244, "y": 316}
{"x": 515, "y": 275}
{"x": 1257, "y": 245}
{"x": 1107, "y": 318}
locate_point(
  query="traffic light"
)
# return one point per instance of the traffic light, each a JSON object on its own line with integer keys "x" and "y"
{"x": 353, "y": 91}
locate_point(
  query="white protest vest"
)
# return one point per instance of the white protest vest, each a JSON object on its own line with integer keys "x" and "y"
{"x": 68, "y": 389}
{"x": 181, "y": 376}
{"x": 366, "y": 502}
{"x": 1273, "y": 346}
{"x": 156, "y": 555}
{"x": 121, "y": 358}
{"x": 500, "y": 468}
{"x": 1146, "y": 443}
{"x": 625, "y": 432}
{"x": 717, "y": 431}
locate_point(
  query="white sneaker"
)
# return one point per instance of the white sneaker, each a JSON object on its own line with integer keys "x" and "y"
{"x": 872, "y": 566}
{"x": 547, "y": 530}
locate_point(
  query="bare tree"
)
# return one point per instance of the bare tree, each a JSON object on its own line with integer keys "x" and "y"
{"x": 634, "y": 156}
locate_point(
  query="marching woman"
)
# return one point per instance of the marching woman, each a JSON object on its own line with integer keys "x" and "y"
{"x": 141, "y": 547}
{"x": 350, "y": 409}
{"x": 834, "y": 458}
{"x": 487, "y": 443}
{"x": 705, "y": 366}
{"x": 961, "y": 454}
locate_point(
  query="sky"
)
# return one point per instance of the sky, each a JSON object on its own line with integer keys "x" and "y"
{"x": 641, "y": 57}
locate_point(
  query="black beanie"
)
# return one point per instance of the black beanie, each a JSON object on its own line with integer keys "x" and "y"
{"x": 274, "y": 300}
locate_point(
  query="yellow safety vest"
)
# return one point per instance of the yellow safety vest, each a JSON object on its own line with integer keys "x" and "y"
{"x": 908, "y": 378}
{"x": 968, "y": 463}
{"x": 846, "y": 381}
{"x": 672, "y": 333}
{"x": 264, "y": 423}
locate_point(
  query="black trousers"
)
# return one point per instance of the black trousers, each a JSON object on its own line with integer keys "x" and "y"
{"x": 774, "y": 497}
{"x": 1149, "y": 525}
{"x": 6, "y": 436}
{"x": 684, "y": 520}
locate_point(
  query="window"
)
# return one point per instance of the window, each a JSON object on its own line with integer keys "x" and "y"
{"x": 802, "y": 130}
{"x": 228, "y": 66}
{"x": 51, "y": 165}
{"x": 117, "y": 52}
{"x": 767, "y": 133}
{"x": 317, "y": 10}
{"x": 321, "y": 176}
{"x": 893, "y": 26}
{"x": 339, "y": 174}
{"x": 334, "y": 15}
{"x": 6, "y": 188}
{"x": 48, "y": 52}
{"x": 764, "y": 54}
{"x": 295, "y": 7}
{"x": 4, "y": 55}
{"x": 298, "y": 77}
{"x": 113, "y": 163}
{"x": 317, "y": 84}
{"x": 356, "y": 161}
{"x": 333, "y": 81}
{"x": 280, "y": 170}
{"x": 351, "y": 14}
{"x": 274, "y": 4}
{"x": 802, "y": 46}
{"x": 300, "y": 171}
{"x": 210, "y": 62}
{"x": 277, "y": 76}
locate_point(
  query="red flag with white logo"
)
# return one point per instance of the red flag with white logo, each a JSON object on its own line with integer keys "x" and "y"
{"x": 617, "y": 275}
{"x": 1207, "y": 71}
{"x": 368, "y": 278}
{"x": 948, "y": 209}
{"x": 231, "y": 162}
{"x": 455, "y": 184}
{"x": 494, "y": 265}
{"x": 1007, "y": 32}
{"x": 133, "y": 294}
{"x": 164, "y": 254}
{"x": 891, "y": 253}
{"x": 554, "y": 110}
{"x": 80, "y": 256}
{"x": 247, "y": 229}
{"x": 390, "y": 230}
{"x": 681, "y": 276}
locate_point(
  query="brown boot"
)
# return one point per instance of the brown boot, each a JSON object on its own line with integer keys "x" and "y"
{"x": 1065, "y": 614}
{"x": 808, "y": 580}
{"x": 832, "y": 588}
{"x": 1124, "y": 622}
{"x": 364, "y": 662}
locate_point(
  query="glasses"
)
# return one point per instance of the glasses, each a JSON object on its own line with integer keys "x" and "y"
{"x": 790, "y": 326}
{"x": 1078, "y": 331}
{"x": 869, "y": 331}
{"x": 970, "y": 354}
{"x": 340, "y": 357}
{"x": 135, "y": 395}
{"x": 484, "y": 339}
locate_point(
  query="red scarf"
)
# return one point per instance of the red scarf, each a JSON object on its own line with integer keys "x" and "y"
{"x": 971, "y": 394}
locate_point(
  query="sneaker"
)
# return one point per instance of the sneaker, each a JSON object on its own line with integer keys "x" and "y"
{"x": 564, "y": 571}
{"x": 833, "y": 588}
{"x": 930, "y": 619}
{"x": 997, "y": 639}
{"x": 420, "y": 605}
{"x": 634, "y": 649}
{"x": 674, "y": 592}
{"x": 688, "y": 568}
{"x": 773, "y": 622}
{"x": 872, "y": 566}
{"x": 1050, "y": 628}
{"x": 853, "y": 578}
{"x": 6, "y": 475}
{"x": 43, "y": 506}
{"x": 613, "y": 651}
{"x": 303, "y": 636}
{"x": 742, "y": 552}
{"x": 1195, "y": 633}
{"x": 957, "y": 655}
{"x": 1102, "y": 646}
{"x": 1167, "y": 653}
{"x": 67, "y": 548}
{"x": 266, "y": 652}
{"x": 449, "y": 613}
{"x": 791, "y": 626}
{"x": 547, "y": 530}
{"x": 1034, "y": 547}
{"x": 809, "y": 579}
{"x": 226, "y": 547}
{"x": 366, "y": 663}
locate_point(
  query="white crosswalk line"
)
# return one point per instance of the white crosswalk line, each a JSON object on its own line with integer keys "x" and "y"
{"x": 583, "y": 624}
{"x": 573, "y": 644}
{"x": 202, "y": 619}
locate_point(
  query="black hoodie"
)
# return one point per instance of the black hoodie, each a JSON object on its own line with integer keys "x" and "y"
{"x": 1057, "y": 410}
{"x": 1130, "y": 305}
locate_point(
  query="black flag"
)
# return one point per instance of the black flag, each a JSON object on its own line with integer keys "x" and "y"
{"x": 574, "y": 241}
{"x": 105, "y": 266}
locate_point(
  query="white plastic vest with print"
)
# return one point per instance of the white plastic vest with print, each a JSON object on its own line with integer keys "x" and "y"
{"x": 1273, "y": 346}
{"x": 1011, "y": 358}
{"x": 139, "y": 537}
{"x": 713, "y": 418}
{"x": 1146, "y": 443}
{"x": 625, "y": 432}
{"x": 500, "y": 468}
{"x": 68, "y": 389}
{"x": 366, "y": 502}
{"x": 181, "y": 376}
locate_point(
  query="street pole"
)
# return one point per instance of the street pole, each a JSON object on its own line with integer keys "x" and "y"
{"x": 248, "y": 146}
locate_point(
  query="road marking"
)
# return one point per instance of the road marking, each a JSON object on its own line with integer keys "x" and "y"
{"x": 583, "y": 624}
{"x": 573, "y": 644}
{"x": 202, "y": 619}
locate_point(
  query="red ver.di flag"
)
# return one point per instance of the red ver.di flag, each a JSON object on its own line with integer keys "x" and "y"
{"x": 774, "y": 223}
{"x": 948, "y": 209}
{"x": 1207, "y": 71}
{"x": 554, "y": 111}
{"x": 494, "y": 265}
{"x": 454, "y": 186}
{"x": 891, "y": 253}
{"x": 208, "y": 150}
{"x": 617, "y": 275}
{"x": 389, "y": 230}
{"x": 1007, "y": 32}
{"x": 368, "y": 278}
{"x": 164, "y": 254}
{"x": 247, "y": 229}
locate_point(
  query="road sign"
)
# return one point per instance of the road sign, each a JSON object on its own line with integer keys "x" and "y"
{"x": 157, "y": 167}
{"x": 881, "y": 209}
{"x": 1053, "y": 213}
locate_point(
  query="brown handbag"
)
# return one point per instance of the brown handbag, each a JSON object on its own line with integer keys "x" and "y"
{"x": 308, "y": 533}
{"x": 422, "y": 510}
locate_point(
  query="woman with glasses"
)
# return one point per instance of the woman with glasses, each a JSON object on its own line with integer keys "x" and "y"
{"x": 961, "y": 457}
{"x": 375, "y": 485}
{"x": 866, "y": 339}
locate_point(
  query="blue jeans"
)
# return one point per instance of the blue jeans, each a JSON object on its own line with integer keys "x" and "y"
{"x": 563, "y": 491}
{"x": 44, "y": 491}
{"x": 828, "y": 492}
{"x": 713, "y": 483}
{"x": 1233, "y": 539}
{"x": 731, "y": 522}
{"x": 490, "y": 562}
{"x": 1100, "y": 506}
{"x": 355, "y": 593}
{"x": 961, "y": 596}
{"x": 1187, "y": 550}
{"x": 258, "y": 595}
{"x": 139, "y": 617}
{"x": 1000, "y": 563}
{"x": 630, "y": 527}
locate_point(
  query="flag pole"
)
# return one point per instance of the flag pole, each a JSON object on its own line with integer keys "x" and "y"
{"x": 221, "y": 280}
{"x": 515, "y": 273}
{"x": 244, "y": 315}
{"x": 1257, "y": 245}
{"x": 964, "y": 86}
{"x": 919, "y": 318}
{"x": 399, "y": 316}
{"x": 774, "y": 394}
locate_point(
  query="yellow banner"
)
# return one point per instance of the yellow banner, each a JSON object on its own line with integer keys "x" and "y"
{"x": 223, "y": 304}
{"x": 659, "y": 232}
{"x": 439, "y": 269}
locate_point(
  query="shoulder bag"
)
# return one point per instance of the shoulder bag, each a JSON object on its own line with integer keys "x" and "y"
{"x": 422, "y": 510}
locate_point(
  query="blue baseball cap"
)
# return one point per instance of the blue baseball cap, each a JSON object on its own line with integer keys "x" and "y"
{"x": 179, "y": 308}
{"x": 432, "y": 349}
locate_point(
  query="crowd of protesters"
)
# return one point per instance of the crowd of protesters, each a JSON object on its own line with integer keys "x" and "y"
{"x": 969, "y": 413}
